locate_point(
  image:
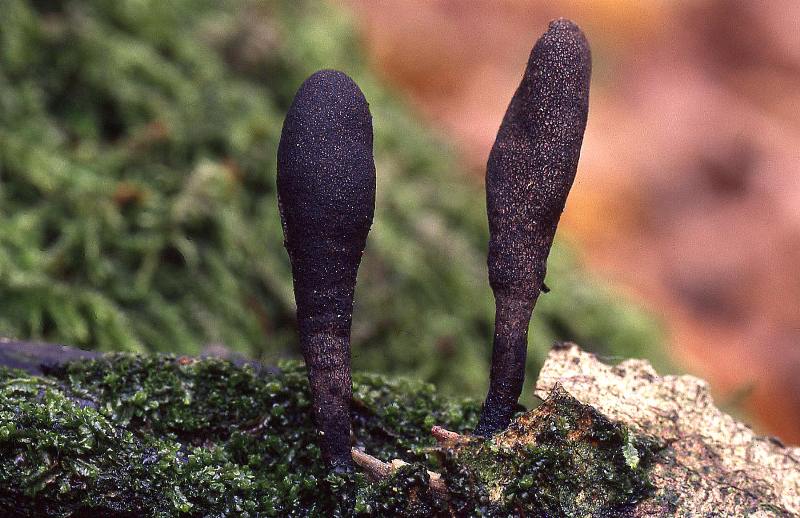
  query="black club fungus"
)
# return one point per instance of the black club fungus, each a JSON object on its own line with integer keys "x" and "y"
{"x": 529, "y": 174}
{"x": 326, "y": 196}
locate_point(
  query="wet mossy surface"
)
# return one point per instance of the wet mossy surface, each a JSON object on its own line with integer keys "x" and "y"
{"x": 164, "y": 436}
{"x": 129, "y": 435}
{"x": 562, "y": 459}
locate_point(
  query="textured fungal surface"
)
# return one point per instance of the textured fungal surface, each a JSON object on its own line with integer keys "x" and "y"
{"x": 326, "y": 195}
{"x": 530, "y": 171}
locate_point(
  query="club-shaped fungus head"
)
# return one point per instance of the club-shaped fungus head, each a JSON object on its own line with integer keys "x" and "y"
{"x": 326, "y": 198}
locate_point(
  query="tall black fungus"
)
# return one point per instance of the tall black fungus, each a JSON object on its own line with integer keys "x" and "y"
{"x": 326, "y": 197}
{"x": 530, "y": 171}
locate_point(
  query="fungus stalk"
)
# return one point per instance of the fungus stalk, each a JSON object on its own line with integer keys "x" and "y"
{"x": 528, "y": 176}
{"x": 326, "y": 198}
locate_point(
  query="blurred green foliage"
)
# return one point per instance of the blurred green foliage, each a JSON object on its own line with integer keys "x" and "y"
{"x": 137, "y": 196}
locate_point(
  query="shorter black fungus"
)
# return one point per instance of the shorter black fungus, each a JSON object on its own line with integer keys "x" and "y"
{"x": 326, "y": 197}
{"x": 528, "y": 176}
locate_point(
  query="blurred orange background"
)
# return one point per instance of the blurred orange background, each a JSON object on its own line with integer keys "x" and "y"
{"x": 688, "y": 192}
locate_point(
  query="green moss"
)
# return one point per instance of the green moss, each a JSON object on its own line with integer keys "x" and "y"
{"x": 405, "y": 493}
{"x": 563, "y": 459}
{"x": 167, "y": 436}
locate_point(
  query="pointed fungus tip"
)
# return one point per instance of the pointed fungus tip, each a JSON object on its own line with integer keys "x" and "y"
{"x": 566, "y": 30}
{"x": 563, "y": 24}
{"x": 563, "y": 42}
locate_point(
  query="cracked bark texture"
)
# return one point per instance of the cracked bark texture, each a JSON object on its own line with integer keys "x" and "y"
{"x": 712, "y": 465}
{"x": 326, "y": 198}
{"x": 528, "y": 176}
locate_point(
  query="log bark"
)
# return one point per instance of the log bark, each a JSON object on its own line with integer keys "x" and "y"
{"x": 712, "y": 465}
{"x": 37, "y": 357}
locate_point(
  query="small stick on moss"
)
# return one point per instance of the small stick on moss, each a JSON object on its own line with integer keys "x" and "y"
{"x": 375, "y": 468}
{"x": 326, "y": 197}
{"x": 448, "y": 439}
{"x": 378, "y": 470}
{"x": 528, "y": 176}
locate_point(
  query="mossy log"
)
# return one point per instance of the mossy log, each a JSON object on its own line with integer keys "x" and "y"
{"x": 37, "y": 358}
{"x": 126, "y": 435}
{"x": 40, "y": 358}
